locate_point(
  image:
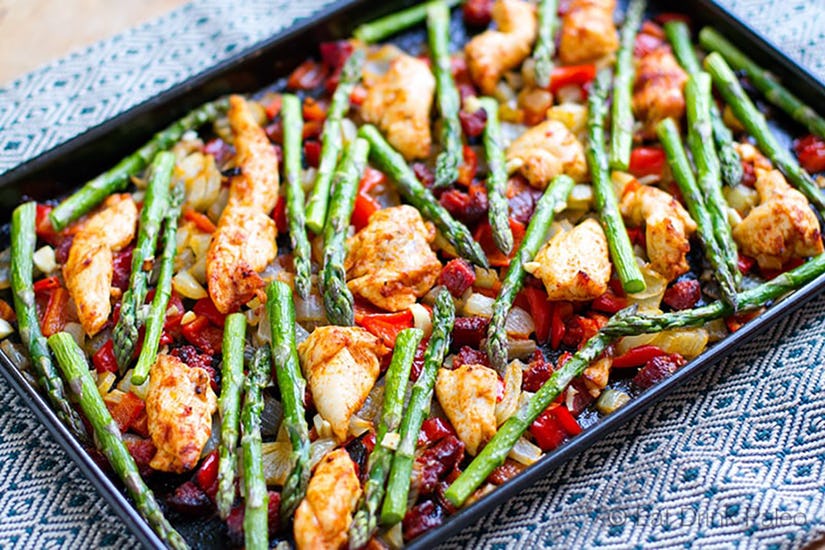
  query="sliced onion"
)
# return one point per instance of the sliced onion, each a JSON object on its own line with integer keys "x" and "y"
{"x": 187, "y": 286}
{"x": 611, "y": 400}
{"x": 15, "y": 354}
{"x": 125, "y": 385}
{"x": 301, "y": 334}
{"x": 310, "y": 312}
{"x": 105, "y": 381}
{"x": 581, "y": 197}
{"x": 508, "y": 405}
{"x": 519, "y": 324}
{"x": 525, "y": 452}
{"x": 422, "y": 319}
{"x": 214, "y": 436}
{"x": 44, "y": 260}
{"x": 348, "y": 130}
{"x": 322, "y": 426}
{"x": 478, "y": 305}
{"x": 199, "y": 243}
{"x": 5, "y": 269}
{"x": 77, "y": 332}
{"x": 359, "y": 426}
{"x": 650, "y": 298}
{"x": 5, "y": 328}
{"x": 263, "y": 335}
{"x": 394, "y": 537}
{"x": 275, "y": 457}
{"x": 371, "y": 408}
{"x": 520, "y": 348}
{"x": 271, "y": 416}
{"x": 486, "y": 278}
{"x": 687, "y": 342}
{"x": 308, "y": 177}
{"x": 741, "y": 198}
{"x": 319, "y": 449}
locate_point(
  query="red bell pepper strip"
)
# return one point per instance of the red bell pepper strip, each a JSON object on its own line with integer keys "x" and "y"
{"x": 365, "y": 206}
{"x": 126, "y": 411}
{"x": 203, "y": 335}
{"x": 609, "y": 303}
{"x": 55, "y": 315}
{"x": 540, "y": 310}
{"x": 484, "y": 236}
{"x": 104, "y": 358}
{"x": 571, "y": 75}
{"x": 553, "y": 426}
{"x": 637, "y": 357}
{"x": 206, "y": 308}
{"x": 201, "y": 221}
{"x": 49, "y": 283}
{"x": 810, "y": 151}
{"x": 561, "y": 311}
{"x": 385, "y": 326}
{"x": 647, "y": 161}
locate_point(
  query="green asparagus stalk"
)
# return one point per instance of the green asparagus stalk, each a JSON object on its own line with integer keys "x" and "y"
{"x": 365, "y": 521}
{"x": 163, "y": 291}
{"x": 234, "y": 339}
{"x": 391, "y": 162}
{"x": 155, "y": 205}
{"x": 678, "y": 34}
{"x": 398, "y": 488}
{"x": 545, "y": 47}
{"x": 293, "y": 123}
{"x": 256, "y": 505}
{"x": 332, "y": 142}
{"x": 291, "y": 383}
{"x": 550, "y": 202}
{"x": 699, "y": 116}
{"x": 621, "y": 137}
{"x": 754, "y": 122}
{"x": 338, "y": 300}
{"x": 754, "y": 298}
{"x": 683, "y": 174}
{"x": 384, "y": 27}
{"x": 499, "y": 209}
{"x": 449, "y": 101}
{"x": 496, "y": 451}
{"x": 621, "y": 251}
{"x": 107, "y": 435}
{"x": 117, "y": 178}
{"x": 773, "y": 91}
{"x": 23, "y": 242}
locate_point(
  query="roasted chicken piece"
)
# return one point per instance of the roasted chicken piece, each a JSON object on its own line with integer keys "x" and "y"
{"x": 588, "y": 32}
{"x": 659, "y": 89}
{"x": 668, "y": 227}
{"x": 341, "y": 365}
{"x": 468, "y": 396}
{"x": 781, "y": 227}
{"x": 390, "y": 262}
{"x": 324, "y": 516}
{"x": 88, "y": 270}
{"x": 494, "y": 52}
{"x": 179, "y": 408}
{"x": 545, "y": 151}
{"x": 575, "y": 264}
{"x": 244, "y": 242}
{"x": 399, "y": 103}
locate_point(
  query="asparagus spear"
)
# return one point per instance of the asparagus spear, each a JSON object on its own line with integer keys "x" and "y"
{"x": 155, "y": 204}
{"x": 754, "y": 298}
{"x": 383, "y": 27}
{"x": 699, "y": 116}
{"x": 256, "y": 506}
{"x": 678, "y": 34}
{"x": 332, "y": 142}
{"x": 621, "y": 137}
{"x": 550, "y": 202}
{"x": 621, "y": 251}
{"x": 391, "y": 162}
{"x": 107, "y": 435}
{"x": 293, "y": 123}
{"x": 774, "y": 92}
{"x": 683, "y": 174}
{"x": 449, "y": 102}
{"x": 545, "y": 47}
{"x": 23, "y": 241}
{"x": 338, "y": 299}
{"x": 398, "y": 488}
{"x": 498, "y": 209}
{"x": 496, "y": 451}
{"x": 281, "y": 312}
{"x": 365, "y": 521}
{"x": 117, "y": 178}
{"x": 754, "y": 122}
{"x": 234, "y": 338}
{"x": 157, "y": 311}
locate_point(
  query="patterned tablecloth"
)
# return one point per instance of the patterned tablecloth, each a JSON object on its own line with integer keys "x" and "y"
{"x": 735, "y": 458}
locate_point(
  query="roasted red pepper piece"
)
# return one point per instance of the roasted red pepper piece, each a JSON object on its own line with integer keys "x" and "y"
{"x": 434, "y": 429}
{"x": 467, "y": 170}
{"x": 810, "y": 150}
{"x": 553, "y": 426}
{"x": 484, "y": 235}
{"x": 55, "y": 315}
{"x": 202, "y": 334}
{"x": 307, "y": 76}
{"x": 206, "y": 308}
{"x": 561, "y": 312}
{"x": 745, "y": 264}
{"x": 577, "y": 75}
{"x": 540, "y": 310}
{"x": 104, "y": 358}
{"x": 201, "y": 221}
{"x": 637, "y": 357}
{"x": 126, "y": 411}
{"x": 365, "y": 206}
{"x": 647, "y": 161}
{"x": 314, "y": 110}
{"x": 386, "y": 326}
{"x": 279, "y": 215}
{"x": 609, "y": 302}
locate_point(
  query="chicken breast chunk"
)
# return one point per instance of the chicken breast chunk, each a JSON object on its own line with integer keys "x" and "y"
{"x": 390, "y": 262}
{"x": 179, "y": 407}
{"x": 494, "y": 52}
{"x": 545, "y": 151}
{"x": 324, "y": 516}
{"x": 88, "y": 269}
{"x": 588, "y": 32}
{"x": 659, "y": 89}
{"x": 781, "y": 227}
{"x": 468, "y": 397}
{"x": 668, "y": 227}
{"x": 399, "y": 103}
{"x": 244, "y": 242}
{"x": 574, "y": 265}
{"x": 341, "y": 365}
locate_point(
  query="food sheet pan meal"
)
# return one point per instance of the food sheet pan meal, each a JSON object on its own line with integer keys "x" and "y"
{"x": 335, "y": 313}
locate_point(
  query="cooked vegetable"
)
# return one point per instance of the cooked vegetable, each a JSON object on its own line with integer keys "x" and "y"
{"x": 621, "y": 135}
{"x": 498, "y": 209}
{"x": 621, "y": 251}
{"x": 232, "y": 380}
{"x": 545, "y": 46}
{"x": 107, "y": 435}
{"x": 552, "y": 199}
{"x": 117, "y": 178}
{"x": 384, "y": 27}
{"x": 256, "y": 497}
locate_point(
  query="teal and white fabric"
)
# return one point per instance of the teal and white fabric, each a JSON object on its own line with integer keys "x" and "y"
{"x": 734, "y": 459}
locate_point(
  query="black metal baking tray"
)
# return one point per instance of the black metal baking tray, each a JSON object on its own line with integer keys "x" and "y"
{"x": 59, "y": 170}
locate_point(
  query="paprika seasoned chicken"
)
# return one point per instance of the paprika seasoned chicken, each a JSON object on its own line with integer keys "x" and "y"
{"x": 399, "y": 103}
{"x": 88, "y": 270}
{"x": 244, "y": 242}
{"x": 494, "y": 52}
{"x": 468, "y": 396}
{"x": 545, "y": 151}
{"x": 588, "y": 33}
{"x": 658, "y": 92}
{"x": 390, "y": 262}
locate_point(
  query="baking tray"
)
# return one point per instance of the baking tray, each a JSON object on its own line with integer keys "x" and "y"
{"x": 61, "y": 169}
